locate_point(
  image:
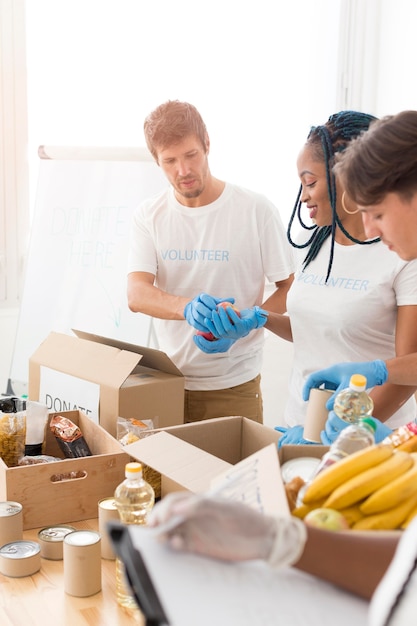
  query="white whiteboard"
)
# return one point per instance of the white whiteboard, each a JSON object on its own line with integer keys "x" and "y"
{"x": 76, "y": 267}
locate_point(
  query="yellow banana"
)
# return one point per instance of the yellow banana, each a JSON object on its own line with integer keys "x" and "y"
{"x": 351, "y": 514}
{"x": 410, "y": 445}
{"x": 337, "y": 473}
{"x": 393, "y": 493}
{"x": 302, "y": 510}
{"x": 365, "y": 483}
{"x": 410, "y": 517}
{"x": 387, "y": 520}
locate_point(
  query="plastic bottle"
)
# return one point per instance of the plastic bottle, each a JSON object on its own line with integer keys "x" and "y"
{"x": 134, "y": 499}
{"x": 353, "y": 403}
{"x": 351, "y": 439}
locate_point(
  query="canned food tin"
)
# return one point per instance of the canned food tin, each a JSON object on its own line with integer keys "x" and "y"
{"x": 51, "y": 541}
{"x": 20, "y": 558}
{"x": 11, "y": 522}
{"x": 82, "y": 563}
{"x": 107, "y": 511}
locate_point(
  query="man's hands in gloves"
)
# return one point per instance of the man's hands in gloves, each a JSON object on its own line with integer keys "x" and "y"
{"x": 200, "y": 308}
{"x": 230, "y": 531}
{"x": 213, "y": 347}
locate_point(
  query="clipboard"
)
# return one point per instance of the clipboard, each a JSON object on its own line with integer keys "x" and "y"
{"x": 137, "y": 575}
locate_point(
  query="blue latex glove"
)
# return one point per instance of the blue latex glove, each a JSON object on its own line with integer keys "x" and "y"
{"x": 213, "y": 347}
{"x": 334, "y": 425}
{"x": 291, "y": 436}
{"x": 227, "y": 323}
{"x": 201, "y": 307}
{"x": 337, "y": 377}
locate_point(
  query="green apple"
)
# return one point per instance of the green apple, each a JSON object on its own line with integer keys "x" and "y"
{"x": 327, "y": 519}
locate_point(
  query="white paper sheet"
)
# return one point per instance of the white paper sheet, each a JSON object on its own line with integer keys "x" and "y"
{"x": 197, "y": 591}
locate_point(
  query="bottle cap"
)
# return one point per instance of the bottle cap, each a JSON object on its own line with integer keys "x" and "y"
{"x": 357, "y": 382}
{"x": 368, "y": 421}
{"x": 133, "y": 469}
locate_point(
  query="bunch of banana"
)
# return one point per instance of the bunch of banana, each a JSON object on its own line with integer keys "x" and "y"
{"x": 375, "y": 488}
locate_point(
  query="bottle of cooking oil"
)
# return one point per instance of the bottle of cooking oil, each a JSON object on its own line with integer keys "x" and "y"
{"x": 134, "y": 499}
{"x": 353, "y": 403}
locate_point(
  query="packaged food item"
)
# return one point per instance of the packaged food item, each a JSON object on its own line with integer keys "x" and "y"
{"x": 130, "y": 430}
{"x": 402, "y": 434}
{"x": 12, "y": 431}
{"x": 69, "y": 437}
{"x": 37, "y": 459}
{"x": 36, "y": 421}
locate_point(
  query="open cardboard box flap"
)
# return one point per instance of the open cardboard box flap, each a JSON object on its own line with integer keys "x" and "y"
{"x": 133, "y": 381}
{"x": 191, "y": 456}
{"x": 148, "y": 357}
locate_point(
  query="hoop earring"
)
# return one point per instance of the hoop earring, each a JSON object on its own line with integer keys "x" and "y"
{"x": 344, "y": 206}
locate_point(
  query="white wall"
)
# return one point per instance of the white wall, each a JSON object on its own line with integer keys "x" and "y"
{"x": 97, "y": 67}
{"x": 397, "y": 85}
{"x": 260, "y": 78}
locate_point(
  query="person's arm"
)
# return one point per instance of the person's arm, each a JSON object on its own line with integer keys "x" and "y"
{"x": 231, "y": 531}
{"x": 389, "y": 397}
{"x": 277, "y": 301}
{"x": 144, "y": 297}
{"x": 276, "y": 305}
{"x": 280, "y": 325}
{"x": 353, "y": 560}
{"x": 402, "y": 370}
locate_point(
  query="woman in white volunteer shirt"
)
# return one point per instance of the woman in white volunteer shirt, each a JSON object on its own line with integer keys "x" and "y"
{"x": 352, "y": 298}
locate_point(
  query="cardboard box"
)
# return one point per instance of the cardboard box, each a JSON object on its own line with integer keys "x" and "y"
{"x": 190, "y": 456}
{"x": 289, "y": 452}
{"x": 47, "y": 500}
{"x": 133, "y": 381}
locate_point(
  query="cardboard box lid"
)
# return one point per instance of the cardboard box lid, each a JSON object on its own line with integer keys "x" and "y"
{"x": 99, "y": 363}
{"x": 230, "y": 438}
{"x": 149, "y": 357}
{"x": 255, "y": 479}
{"x": 178, "y": 460}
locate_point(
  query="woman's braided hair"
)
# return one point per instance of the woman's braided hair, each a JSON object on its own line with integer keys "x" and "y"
{"x": 326, "y": 141}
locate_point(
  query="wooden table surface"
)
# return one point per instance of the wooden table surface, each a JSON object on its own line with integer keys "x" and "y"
{"x": 40, "y": 600}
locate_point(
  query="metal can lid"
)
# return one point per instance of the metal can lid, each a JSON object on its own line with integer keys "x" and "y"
{"x": 55, "y": 533}
{"x": 19, "y": 549}
{"x": 82, "y": 538}
{"x": 108, "y": 504}
{"x": 9, "y": 508}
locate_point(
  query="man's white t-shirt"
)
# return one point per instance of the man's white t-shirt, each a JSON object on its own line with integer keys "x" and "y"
{"x": 226, "y": 249}
{"x": 352, "y": 318}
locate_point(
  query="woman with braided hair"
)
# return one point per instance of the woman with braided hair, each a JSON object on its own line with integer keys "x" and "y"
{"x": 352, "y": 298}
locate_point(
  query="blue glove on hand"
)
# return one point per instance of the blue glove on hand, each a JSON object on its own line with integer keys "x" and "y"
{"x": 334, "y": 426}
{"x": 213, "y": 347}
{"x": 225, "y": 322}
{"x": 337, "y": 377}
{"x": 292, "y": 436}
{"x": 201, "y": 307}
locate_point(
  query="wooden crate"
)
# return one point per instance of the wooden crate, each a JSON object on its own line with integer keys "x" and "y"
{"x": 45, "y": 498}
